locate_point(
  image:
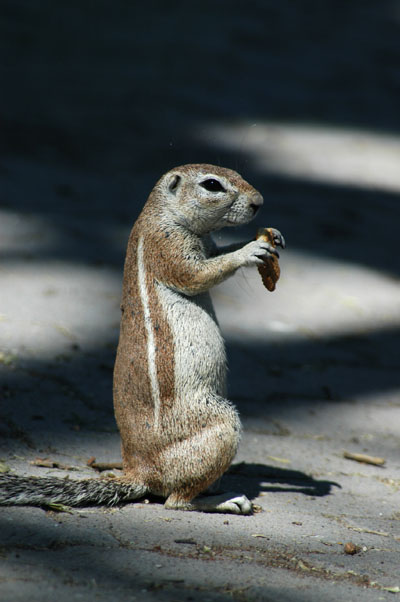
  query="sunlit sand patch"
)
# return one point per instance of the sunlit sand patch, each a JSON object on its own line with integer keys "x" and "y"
{"x": 315, "y": 297}
{"x": 48, "y": 307}
{"x": 346, "y": 156}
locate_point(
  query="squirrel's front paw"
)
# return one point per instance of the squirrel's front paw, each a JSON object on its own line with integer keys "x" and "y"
{"x": 256, "y": 251}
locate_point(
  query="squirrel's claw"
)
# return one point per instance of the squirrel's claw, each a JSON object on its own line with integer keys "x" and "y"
{"x": 278, "y": 238}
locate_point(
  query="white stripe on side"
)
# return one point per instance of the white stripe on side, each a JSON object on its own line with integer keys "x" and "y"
{"x": 151, "y": 347}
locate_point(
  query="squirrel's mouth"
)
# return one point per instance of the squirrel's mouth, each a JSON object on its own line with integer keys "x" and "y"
{"x": 239, "y": 221}
{"x": 239, "y": 213}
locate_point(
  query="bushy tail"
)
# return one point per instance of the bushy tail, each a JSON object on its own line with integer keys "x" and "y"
{"x": 43, "y": 491}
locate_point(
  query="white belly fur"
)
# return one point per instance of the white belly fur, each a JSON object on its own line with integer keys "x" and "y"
{"x": 199, "y": 350}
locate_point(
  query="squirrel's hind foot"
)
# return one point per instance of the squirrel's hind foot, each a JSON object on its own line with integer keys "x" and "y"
{"x": 226, "y": 503}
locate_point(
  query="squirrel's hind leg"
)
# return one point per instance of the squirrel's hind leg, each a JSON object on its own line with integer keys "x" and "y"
{"x": 197, "y": 462}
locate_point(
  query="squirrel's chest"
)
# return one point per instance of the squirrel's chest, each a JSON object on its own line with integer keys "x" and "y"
{"x": 192, "y": 320}
{"x": 198, "y": 347}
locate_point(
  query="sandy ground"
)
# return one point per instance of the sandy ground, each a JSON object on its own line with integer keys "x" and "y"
{"x": 304, "y": 103}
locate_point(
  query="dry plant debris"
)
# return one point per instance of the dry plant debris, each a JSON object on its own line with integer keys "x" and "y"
{"x": 364, "y": 458}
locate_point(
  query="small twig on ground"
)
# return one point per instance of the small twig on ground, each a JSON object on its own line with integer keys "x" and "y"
{"x": 47, "y": 463}
{"x": 365, "y": 459}
{"x": 101, "y": 466}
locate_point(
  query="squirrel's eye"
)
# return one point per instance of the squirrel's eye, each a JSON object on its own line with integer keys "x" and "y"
{"x": 212, "y": 185}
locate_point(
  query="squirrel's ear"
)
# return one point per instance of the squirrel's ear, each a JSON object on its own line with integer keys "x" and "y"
{"x": 174, "y": 183}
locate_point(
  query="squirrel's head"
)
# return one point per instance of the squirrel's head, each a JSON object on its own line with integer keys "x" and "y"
{"x": 204, "y": 197}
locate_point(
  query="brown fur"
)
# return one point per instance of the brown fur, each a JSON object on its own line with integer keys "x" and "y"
{"x": 165, "y": 459}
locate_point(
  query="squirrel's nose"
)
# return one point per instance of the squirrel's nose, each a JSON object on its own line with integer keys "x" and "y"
{"x": 256, "y": 202}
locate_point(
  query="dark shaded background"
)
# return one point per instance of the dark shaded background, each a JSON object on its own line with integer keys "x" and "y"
{"x": 118, "y": 85}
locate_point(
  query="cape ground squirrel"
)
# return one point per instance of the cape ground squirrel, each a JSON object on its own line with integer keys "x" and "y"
{"x": 179, "y": 434}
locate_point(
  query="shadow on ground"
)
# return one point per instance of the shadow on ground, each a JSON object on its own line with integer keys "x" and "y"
{"x": 252, "y": 479}
{"x": 288, "y": 375}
